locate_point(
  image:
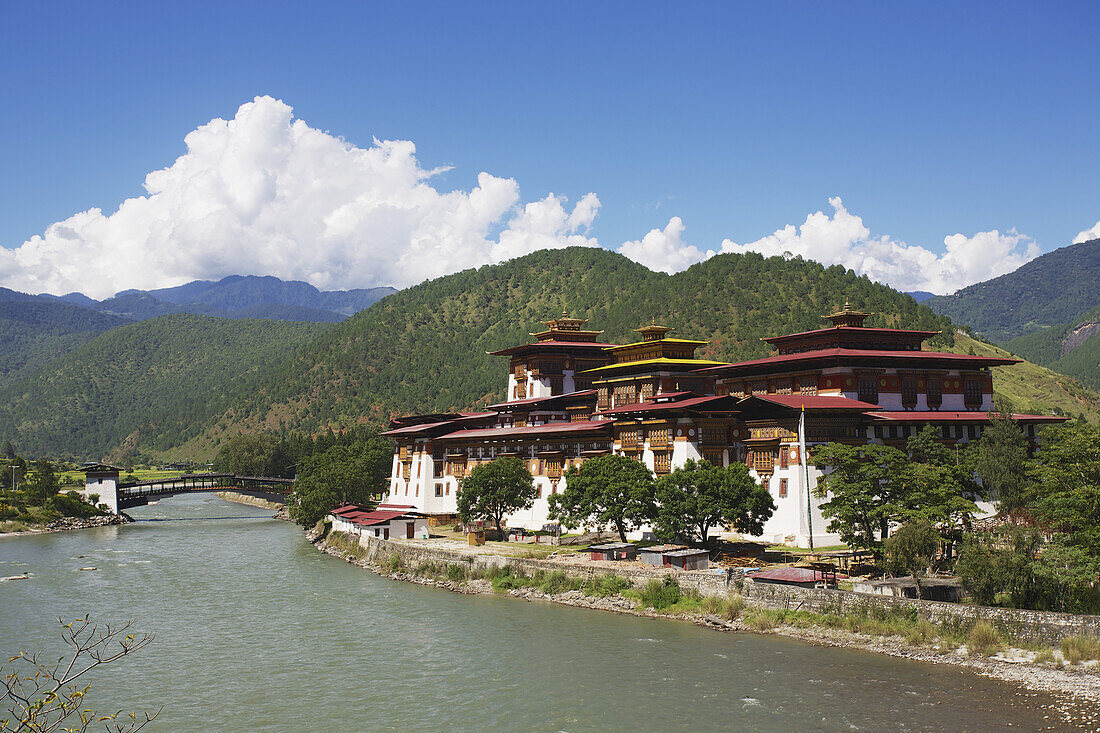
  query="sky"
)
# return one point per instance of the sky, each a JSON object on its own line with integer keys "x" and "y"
{"x": 926, "y": 145}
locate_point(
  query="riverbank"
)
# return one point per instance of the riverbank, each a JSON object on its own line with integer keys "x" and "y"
{"x": 255, "y": 501}
{"x": 65, "y": 524}
{"x": 1077, "y": 686}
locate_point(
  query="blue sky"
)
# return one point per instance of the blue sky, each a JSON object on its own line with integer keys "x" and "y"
{"x": 927, "y": 119}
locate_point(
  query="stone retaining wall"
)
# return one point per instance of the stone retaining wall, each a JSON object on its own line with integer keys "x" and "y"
{"x": 1021, "y": 624}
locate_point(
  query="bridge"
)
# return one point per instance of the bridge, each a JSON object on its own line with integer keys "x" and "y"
{"x": 102, "y": 479}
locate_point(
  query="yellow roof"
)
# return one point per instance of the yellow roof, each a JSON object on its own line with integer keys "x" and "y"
{"x": 658, "y": 341}
{"x": 662, "y": 361}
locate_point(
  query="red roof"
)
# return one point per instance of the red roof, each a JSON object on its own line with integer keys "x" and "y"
{"x": 788, "y": 575}
{"x": 427, "y": 427}
{"x": 535, "y": 400}
{"x": 378, "y": 517}
{"x": 814, "y": 402}
{"x": 860, "y": 330}
{"x": 837, "y": 354}
{"x": 345, "y": 509}
{"x": 948, "y": 416}
{"x": 691, "y": 402}
{"x": 552, "y": 428}
{"x": 554, "y": 344}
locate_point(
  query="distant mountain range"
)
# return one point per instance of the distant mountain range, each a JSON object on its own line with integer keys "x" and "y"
{"x": 1047, "y": 311}
{"x": 236, "y": 296}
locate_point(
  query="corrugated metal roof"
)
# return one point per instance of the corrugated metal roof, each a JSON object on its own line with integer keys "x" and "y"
{"x": 554, "y": 344}
{"x": 695, "y": 402}
{"x": 860, "y": 330}
{"x": 661, "y": 361}
{"x": 813, "y": 402}
{"x": 536, "y": 400}
{"x": 788, "y": 575}
{"x": 949, "y": 416}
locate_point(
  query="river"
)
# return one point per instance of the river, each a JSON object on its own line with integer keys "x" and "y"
{"x": 258, "y": 631}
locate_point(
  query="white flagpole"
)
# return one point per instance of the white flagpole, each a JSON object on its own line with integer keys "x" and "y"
{"x": 805, "y": 473}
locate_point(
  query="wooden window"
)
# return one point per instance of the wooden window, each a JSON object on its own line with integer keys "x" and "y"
{"x": 403, "y": 452}
{"x": 935, "y": 392}
{"x": 808, "y": 388}
{"x": 909, "y": 392}
{"x": 713, "y": 457}
{"x": 764, "y": 462}
{"x": 713, "y": 435}
{"x": 625, "y": 395}
{"x": 784, "y": 455}
{"x": 662, "y": 462}
{"x": 782, "y": 488}
{"x": 783, "y": 388}
{"x": 553, "y": 468}
{"x": 602, "y": 401}
{"x": 658, "y": 438}
{"x": 972, "y": 393}
{"x": 868, "y": 390}
{"x": 760, "y": 388}
{"x": 628, "y": 439}
{"x": 647, "y": 391}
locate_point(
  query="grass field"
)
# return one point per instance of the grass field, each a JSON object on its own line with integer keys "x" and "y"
{"x": 139, "y": 474}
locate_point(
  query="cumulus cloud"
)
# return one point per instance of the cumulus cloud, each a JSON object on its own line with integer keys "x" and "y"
{"x": 843, "y": 239}
{"x": 664, "y": 250}
{"x": 264, "y": 193}
{"x": 1088, "y": 234}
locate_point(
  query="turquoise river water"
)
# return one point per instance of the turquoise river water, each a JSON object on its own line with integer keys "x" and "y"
{"x": 258, "y": 631}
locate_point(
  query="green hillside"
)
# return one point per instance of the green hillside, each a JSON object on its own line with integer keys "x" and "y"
{"x": 1028, "y": 387}
{"x": 424, "y": 349}
{"x": 142, "y": 386}
{"x": 178, "y": 385}
{"x": 1052, "y": 290}
{"x": 34, "y": 332}
{"x": 1071, "y": 348}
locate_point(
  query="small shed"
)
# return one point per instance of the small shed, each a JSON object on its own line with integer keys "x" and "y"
{"x": 802, "y": 577}
{"x": 476, "y": 537}
{"x": 688, "y": 559}
{"x": 614, "y": 551}
{"x": 655, "y": 555}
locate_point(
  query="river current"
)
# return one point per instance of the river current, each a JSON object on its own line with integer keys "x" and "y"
{"x": 258, "y": 631}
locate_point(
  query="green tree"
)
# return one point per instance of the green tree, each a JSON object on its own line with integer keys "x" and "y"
{"x": 343, "y": 474}
{"x": 255, "y": 454}
{"x": 43, "y": 482}
{"x": 496, "y": 489}
{"x": 977, "y": 570}
{"x": 863, "y": 489}
{"x": 911, "y": 549}
{"x": 699, "y": 496}
{"x": 610, "y": 490}
{"x": 1067, "y": 470}
{"x": 1000, "y": 461}
{"x": 934, "y": 485}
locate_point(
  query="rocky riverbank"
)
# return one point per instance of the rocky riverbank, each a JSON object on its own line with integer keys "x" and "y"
{"x": 64, "y": 524}
{"x": 1077, "y": 688}
{"x": 255, "y": 501}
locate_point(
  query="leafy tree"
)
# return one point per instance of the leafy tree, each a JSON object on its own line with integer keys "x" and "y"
{"x": 1000, "y": 461}
{"x": 496, "y": 489}
{"x": 977, "y": 570}
{"x": 863, "y": 488}
{"x": 343, "y": 474}
{"x": 935, "y": 485}
{"x": 43, "y": 483}
{"x": 1067, "y": 469}
{"x": 911, "y": 550}
{"x": 699, "y": 495}
{"x": 255, "y": 454}
{"x": 606, "y": 490}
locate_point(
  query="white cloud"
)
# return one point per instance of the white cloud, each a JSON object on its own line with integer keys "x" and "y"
{"x": 843, "y": 239}
{"x": 264, "y": 193}
{"x": 1088, "y": 234}
{"x": 664, "y": 249}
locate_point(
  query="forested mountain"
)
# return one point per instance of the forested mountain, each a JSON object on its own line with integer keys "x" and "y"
{"x": 179, "y": 385}
{"x": 1053, "y": 290}
{"x": 424, "y": 348}
{"x": 143, "y": 386}
{"x": 242, "y": 296}
{"x": 34, "y": 331}
{"x": 1070, "y": 348}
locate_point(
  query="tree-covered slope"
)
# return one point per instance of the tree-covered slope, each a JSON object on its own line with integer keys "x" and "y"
{"x": 1070, "y": 348}
{"x": 143, "y": 386}
{"x": 34, "y": 331}
{"x": 424, "y": 348}
{"x": 1054, "y": 289}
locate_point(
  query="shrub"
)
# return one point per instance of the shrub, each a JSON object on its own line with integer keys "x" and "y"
{"x": 456, "y": 572}
{"x": 983, "y": 639}
{"x": 715, "y": 605}
{"x": 660, "y": 594}
{"x": 1079, "y": 648}
{"x": 394, "y": 563}
{"x": 760, "y": 620}
{"x": 735, "y": 606}
{"x": 607, "y": 584}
